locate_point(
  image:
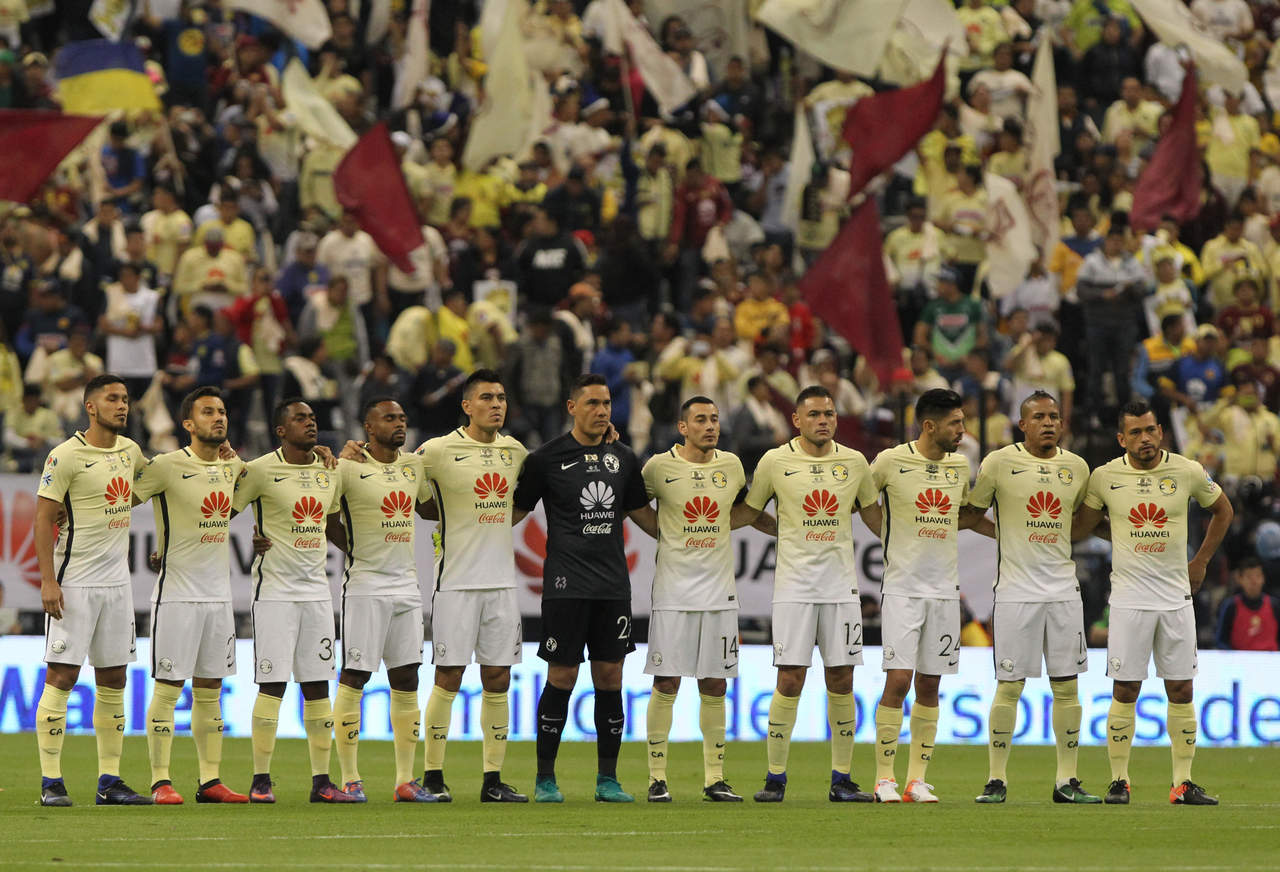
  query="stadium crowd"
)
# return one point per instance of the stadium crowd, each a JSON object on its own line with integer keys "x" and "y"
{"x": 206, "y": 246}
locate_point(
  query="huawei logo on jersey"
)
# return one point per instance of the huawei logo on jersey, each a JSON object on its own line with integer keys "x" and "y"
{"x": 491, "y": 486}
{"x": 596, "y": 496}
{"x": 1147, "y": 513}
{"x": 1044, "y": 503}
{"x": 933, "y": 500}
{"x": 119, "y": 492}
{"x": 397, "y": 504}
{"x": 308, "y": 511}
{"x": 821, "y": 502}
{"x": 216, "y": 505}
{"x": 701, "y": 509}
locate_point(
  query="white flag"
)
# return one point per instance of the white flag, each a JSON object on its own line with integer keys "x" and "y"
{"x": 412, "y": 66}
{"x": 849, "y": 35}
{"x": 379, "y": 21}
{"x": 313, "y": 113}
{"x": 1173, "y": 22}
{"x": 502, "y": 122}
{"x": 307, "y": 21}
{"x": 799, "y": 170}
{"x": 110, "y": 17}
{"x": 923, "y": 29}
{"x": 662, "y": 76}
{"x": 1041, "y": 191}
{"x": 1010, "y": 250}
{"x": 721, "y": 28}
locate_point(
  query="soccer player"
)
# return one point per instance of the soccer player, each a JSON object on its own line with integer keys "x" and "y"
{"x": 818, "y": 485}
{"x": 193, "y": 634}
{"x": 923, "y": 484}
{"x": 473, "y": 472}
{"x": 1035, "y": 487}
{"x": 693, "y": 626}
{"x": 85, "y": 586}
{"x": 291, "y": 492}
{"x": 1145, "y": 493}
{"x": 381, "y": 601}
{"x": 588, "y": 486}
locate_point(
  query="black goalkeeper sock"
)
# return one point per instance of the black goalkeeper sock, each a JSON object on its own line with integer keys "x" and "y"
{"x": 609, "y": 722}
{"x": 553, "y": 711}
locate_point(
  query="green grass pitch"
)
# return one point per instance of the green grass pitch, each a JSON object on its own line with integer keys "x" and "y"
{"x": 804, "y": 833}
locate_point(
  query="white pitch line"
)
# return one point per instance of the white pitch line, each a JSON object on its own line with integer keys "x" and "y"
{"x": 363, "y": 836}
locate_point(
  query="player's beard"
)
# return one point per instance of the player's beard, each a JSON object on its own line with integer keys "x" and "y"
{"x": 110, "y": 425}
{"x": 211, "y": 438}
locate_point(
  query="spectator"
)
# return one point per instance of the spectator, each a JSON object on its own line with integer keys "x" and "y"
{"x": 1201, "y": 375}
{"x": 1251, "y": 432}
{"x": 549, "y": 261}
{"x": 962, "y": 216}
{"x": 574, "y": 205}
{"x": 1132, "y": 115}
{"x": 617, "y": 363}
{"x": 537, "y": 377}
{"x": 307, "y": 374}
{"x": 757, "y": 426}
{"x": 1259, "y": 370}
{"x": 262, "y": 324}
{"x": 31, "y": 430}
{"x": 437, "y": 387}
{"x": 124, "y": 168}
{"x": 1110, "y": 283}
{"x": 63, "y": 374}
{"x": 761, "y": 316}
{"x": 1009, "y": 88}
{"x": 914, "y": 251}
{"x": 302, "y": 277}
{"x": 209, "y": 274}
{"x": 951, "y": 325}
{"x": 575, "y": 325}
{"x": 1250, "y": 619}
{"x": 131, "y": 322}
{"x": 452, "y": 324}
{"x": 331, "y": 317}
{"x": 1247, "y": 318}
{"x": 1036, "y": 365}
{"x": 1226, "y": 258}
{"x": 349, "y": 252}
{"x": 701, "y": 203}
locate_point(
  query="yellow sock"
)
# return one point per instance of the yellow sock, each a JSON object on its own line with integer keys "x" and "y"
{"x": 404, "y": 730}
{"x": 782, "y": 720}
{"x": 346, "y": 722}
{"x": 1067, "y": 713}
{"x": 842, "y": 718}
{"x": 266, "y": 718}
{"x": 317, "y": 718}
{"x": 1182, "y": 739}
{"x": 658, "y": 728}
{"x": 711, "y": 721}
{"x": 1001, "y": 723}
{"x": 51, "y": 729}
{"x": 1120, "y": 738}
{"x": 495, "y": 713}
{"x": 888, "y": 729}
{"x": 435, "y": 723}
{"x": 924, "y": 730}
{"x": 160, "y": 729}
{"x": 206, "y": 729}
{"x": 108, "y": 728}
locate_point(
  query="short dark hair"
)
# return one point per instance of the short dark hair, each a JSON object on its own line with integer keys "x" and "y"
{"x": 282, "y": 409}
{"x": 1169, "y": 321}
{"x": 585, "y": 381}
{"x": 189, "y": 401}
{"x": 1133, "y": 409}
{"x": 694, "y": 401}
{"x": 373, "y": 403}
{"x": 1249, "y": 561}
{"x": 480, "y": 376}
{"x": 1036, "y": 396}
{"x": 812, "y": 391}
{"x": 935, "y": 403}
{"x": 204, "y": 312}
{"x": 98, "y": 382}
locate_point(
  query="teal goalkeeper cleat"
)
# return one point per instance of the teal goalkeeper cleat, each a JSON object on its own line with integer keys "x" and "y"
{"x": 545, "y": 790}
{"x": 1072, "y": 792}
{"x": 609, "y": 790}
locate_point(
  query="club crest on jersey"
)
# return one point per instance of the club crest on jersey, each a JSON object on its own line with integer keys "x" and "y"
{"x": 1065, "y": 476}
{"x": 1168, "y": 486}
{"x": 504, "y": 454}
{"x": 719, "y": 479}
{"x": 124, "y": 457}
{"x": 840, "y": 472}
{"x": 953, "y": 476}
{"x": 611, "y": 463}
{"x": 408, "y": 473}
{"x": 322, "y": 479}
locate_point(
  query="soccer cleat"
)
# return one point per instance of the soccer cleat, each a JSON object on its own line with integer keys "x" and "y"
{"x": 658, "y": 792}
{"x": 412, "y": 791}
{"x": 260, "y": 790}
{"x": 53, "y": 793}
{"x": 774, "y": 790}
{"x": 113, "y": 791}
{"x": 1190, "y": 793}
{"x": 1117, "y": 793}
{"x": 162, "y": 793}
{"x": 719, "y": 792}
{"x": 355, "y": 790}
{"x": 328, "y": 792}
{"x": 887, "y": 790}
{"x": 217, "y": 792}
{"x": 844, "y": 790}
{"x": 545, "y": 790}
{"x": 918, "y": 791}
{"x": 1072, "y": 792}
{"x": 433, "y": 783}
{"x": 497, "y": 791}
{"x": 609, "y": 790}
{"x": 995, "y": 791}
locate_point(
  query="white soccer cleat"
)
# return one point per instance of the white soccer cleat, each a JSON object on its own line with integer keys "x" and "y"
{"x": 918, "y": 791}
{"x": 887, "y": 790}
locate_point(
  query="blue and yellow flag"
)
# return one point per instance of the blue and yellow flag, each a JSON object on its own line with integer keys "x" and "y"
{"x": 97, "y": 75}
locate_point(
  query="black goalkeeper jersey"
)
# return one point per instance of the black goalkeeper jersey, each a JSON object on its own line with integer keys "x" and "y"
{"x": 587, "y": 491}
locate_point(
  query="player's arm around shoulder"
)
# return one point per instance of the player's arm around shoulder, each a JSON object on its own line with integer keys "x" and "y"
{"x": 248, "y": 484}
{"x": 973, "y": 514}
{"x": 761, "y": 490}
{"x": 151, "y": 478}
{"x": 1092, "y": 510}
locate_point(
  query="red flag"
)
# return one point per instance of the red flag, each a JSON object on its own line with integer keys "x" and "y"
{"x": 883, "y": 127}
{"x": 369, "y": 183}
{"x": 1172, "y": 180}
{"x": 847, "y": 288}
{"x": 34, "y": 142}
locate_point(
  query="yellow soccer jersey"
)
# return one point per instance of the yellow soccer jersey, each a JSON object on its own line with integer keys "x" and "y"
{"x": 922, "y": 500}
{"x": 474, "y": 485}
{"x": 694, "y": 570}
{"x": 1034, "y": 502}
{"x": 816, "y": 497}
{"x": 192, "y": 503}
{"x": 377, "y": 510}
{"x": 95, "y": 485}
{"x": 1148, "y": 512}
{"x": 290, "y": 504}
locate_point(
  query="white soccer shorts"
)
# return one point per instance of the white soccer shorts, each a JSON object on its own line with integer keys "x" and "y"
{"x": 292, "y": 638}
{"x": 381, "y": 629}
{"x": 1134, "y": 635}
{"x": 97, "y": 622}
{"x": 697, "y": 644}
{"x": 836, "y": 628}
{"x": 483, "y": 623}
{"x": 1027, "y": 633}
{"x": 192, "y": 640}
{"x": 920, "y": 633}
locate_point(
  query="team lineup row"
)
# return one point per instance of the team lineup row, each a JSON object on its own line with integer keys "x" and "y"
{"x": 476, "y": 483}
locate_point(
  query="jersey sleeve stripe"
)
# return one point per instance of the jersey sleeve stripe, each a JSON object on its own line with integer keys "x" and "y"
{"x": 71, "y": 535}
{"x": 351, "y": 547}
{"x": 439, "y": 497}
{"x": 164, "y": 549}
{"x": 258, "y": 560}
